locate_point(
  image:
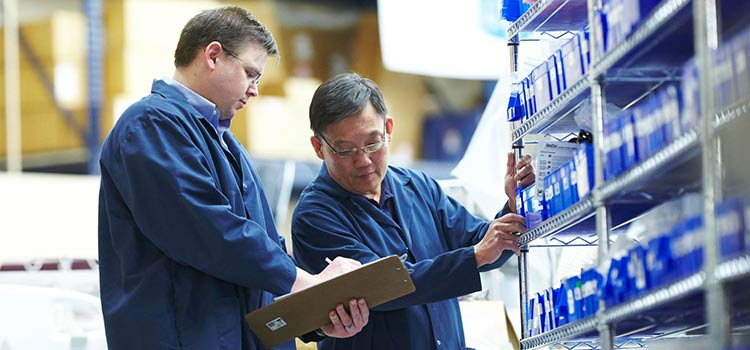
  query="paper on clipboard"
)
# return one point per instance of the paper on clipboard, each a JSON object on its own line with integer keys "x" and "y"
{"x": 305, "y": 310}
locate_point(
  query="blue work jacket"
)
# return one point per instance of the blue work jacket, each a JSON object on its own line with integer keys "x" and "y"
{"x": 187, "y": 243}
{"x": 431, "y": 230}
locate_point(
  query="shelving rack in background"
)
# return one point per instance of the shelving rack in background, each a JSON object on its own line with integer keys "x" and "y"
{"x": 711, "y": 301}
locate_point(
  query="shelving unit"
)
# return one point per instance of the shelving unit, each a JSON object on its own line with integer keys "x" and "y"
{"x": 648, "y": 58}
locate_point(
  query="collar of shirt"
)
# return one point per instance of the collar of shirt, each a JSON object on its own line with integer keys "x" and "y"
{"x": 205, "y": 107}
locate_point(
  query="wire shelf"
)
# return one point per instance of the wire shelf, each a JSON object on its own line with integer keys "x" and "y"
{"x": 556, "y": 111}
{"x": 733, "y": 269}
{"x": 658, "y": 20}
{"x": 557, "y": 335}
{"x": 551, "y": 15}
{"x": 577, "y": 212}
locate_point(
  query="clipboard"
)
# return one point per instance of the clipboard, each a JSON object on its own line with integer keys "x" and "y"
{"x": 303, "y": 311}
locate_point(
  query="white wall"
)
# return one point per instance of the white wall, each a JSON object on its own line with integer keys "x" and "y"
{"x": 48, "y": 216}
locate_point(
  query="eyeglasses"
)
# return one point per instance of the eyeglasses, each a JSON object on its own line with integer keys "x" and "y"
{"x": 349, "y": 152}
{"x": 252, "y": 75}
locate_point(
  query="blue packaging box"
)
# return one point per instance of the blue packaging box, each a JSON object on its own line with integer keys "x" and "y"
{"x": 571, "y": 59}
{"x": 555, "y": 72}
{"x": 629, "y": 152}
{"x": 730, "y": 225}
{"x": 691, "y": 102}
{"x": 591, "y": 279}
{"x": 659, "y": 264}
{"x": 515, "y": 108}
{"x": 528, "y": 88}
{"x": 573, "y": 173}
{"x": 723, "y": 77}
{"x": 574, "y": 298}
{"x": 549, "y": 195}
{"x": 740, "y": 45}
{"x": 549, "y": 310}
{"x": 655, "y": 123}
{"x": 644, "y": 125}
{"x": 558, "y": 197}
{"x": 560, "y": 299}
{"x": 541, "y": 307}
{"x": 584, "y": 160}
{"x": 533, "y": 206}
{"x": 567, "y": 200}
{"x": 687, "y": 246}
{"x": 531, "y": 324}
{"x": 612, "y": 148}
{"x": 542, "y": 85}
{"x": 670, "y": 104}
{"x": 520, "y": 207}
{"x": 637, "y": 271}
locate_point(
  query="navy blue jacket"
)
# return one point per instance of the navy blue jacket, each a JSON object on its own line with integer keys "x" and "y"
{"x": 434, "y": 231}
{"x": 187, "y": 243}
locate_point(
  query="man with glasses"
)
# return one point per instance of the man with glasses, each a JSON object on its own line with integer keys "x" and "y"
{"x": 362, "y": 208}
{"x": 187, "y": 243}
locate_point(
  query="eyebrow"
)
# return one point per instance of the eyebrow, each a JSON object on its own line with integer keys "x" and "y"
{"x": 374, "y": 133}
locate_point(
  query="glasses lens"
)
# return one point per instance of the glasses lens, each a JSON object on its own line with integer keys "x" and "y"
{"x": 374, "y": 147}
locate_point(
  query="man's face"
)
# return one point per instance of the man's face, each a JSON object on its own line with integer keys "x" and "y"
{"x": 360, "y": 172}
{"x": 236, "y": 81}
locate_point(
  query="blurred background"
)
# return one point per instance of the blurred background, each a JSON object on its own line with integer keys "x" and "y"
{"x": 70, "y": 67}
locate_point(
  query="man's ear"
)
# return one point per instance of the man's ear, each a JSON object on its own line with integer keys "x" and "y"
{"x": 389, "y": 127}
{"x": 211, "y": 54}
{"x": 317, "y": 146}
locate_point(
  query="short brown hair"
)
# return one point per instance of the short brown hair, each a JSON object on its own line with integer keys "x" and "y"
{"x": 232, "y": 26}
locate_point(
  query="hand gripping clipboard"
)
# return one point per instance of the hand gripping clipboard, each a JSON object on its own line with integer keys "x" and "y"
{"x": 303, "y": 311}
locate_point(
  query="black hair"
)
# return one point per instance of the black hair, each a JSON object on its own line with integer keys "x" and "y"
{"x": 343, "y": 96}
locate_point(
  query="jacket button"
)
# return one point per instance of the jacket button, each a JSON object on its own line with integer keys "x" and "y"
{"x": 439, "y": 342}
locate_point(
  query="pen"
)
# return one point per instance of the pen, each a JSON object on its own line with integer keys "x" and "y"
{"x": 328, "y": 261}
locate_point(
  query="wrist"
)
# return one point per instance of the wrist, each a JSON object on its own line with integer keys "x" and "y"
{"x": 479, "y": 257}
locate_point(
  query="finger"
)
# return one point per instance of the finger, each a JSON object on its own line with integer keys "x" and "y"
{"x": 524, "y": 161}
{"x": 511, "y": 217}
{"x": 335, "y": 321}
{"x": 511, "y": 164}
{"x": 364, "y": 310}
{"x": 356, "y": 313}
{"x": 346, "y": 320}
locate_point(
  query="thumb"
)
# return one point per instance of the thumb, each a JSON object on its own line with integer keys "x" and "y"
{"x": 510, "y": 167}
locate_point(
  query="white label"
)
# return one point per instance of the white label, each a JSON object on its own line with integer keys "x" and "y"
{"x": 276, "y": 323}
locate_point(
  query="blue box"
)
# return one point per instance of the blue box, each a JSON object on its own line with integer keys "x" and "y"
{"x": 637, "y": 271}
{"x": 520, "y": 202}
{"x": 534, "y": 208}
{"x": 612, "y": 148}
{"x": 629, "y": 152}
{"x": 528, "y": 88}
{"x": 558, "y": 198}
{"x": 723, "y": 77}
{"x": 573, "y": 181}
{"x": 542, "y": 85}
{"x": 691, "y": 102}
{"x": 591, "y": 279}
{"x": 659, "y": 262}
{"x": 740, "y": 46}
{"x": 670, "y": 106}
{"x": 560, "y": 299}
{"x": 656, "y": 134}
{"x": 574, "y": 298}
{"x": 584, "y": 159}
{"x": 644, "y": 125}
{"x": 515, "y": 107}
{"x": 567, "y": 200}
{"x": 549, "y": 196}
{"x": 731, "y": 227}
{"x": 570, "y": 55}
